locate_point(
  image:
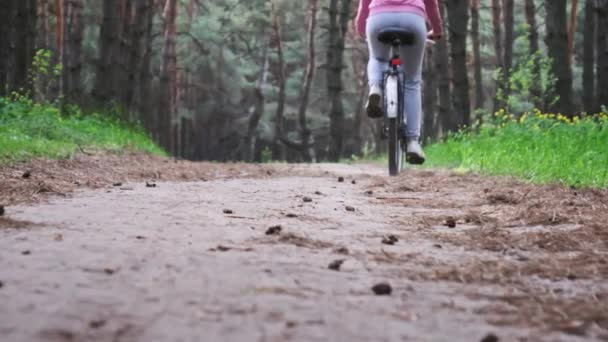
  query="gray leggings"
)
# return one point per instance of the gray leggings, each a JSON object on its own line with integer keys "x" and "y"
{"x": 412, "y": 57}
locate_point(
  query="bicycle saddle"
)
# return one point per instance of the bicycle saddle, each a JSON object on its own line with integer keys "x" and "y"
{"x": 396, "y": 36}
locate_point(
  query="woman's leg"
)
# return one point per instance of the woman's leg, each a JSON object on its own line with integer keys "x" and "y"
{"x": 378, "y": 52}
{"x": 413, "y": 57}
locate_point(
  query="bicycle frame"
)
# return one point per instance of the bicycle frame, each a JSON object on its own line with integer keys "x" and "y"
{"x": 393, "y": 90}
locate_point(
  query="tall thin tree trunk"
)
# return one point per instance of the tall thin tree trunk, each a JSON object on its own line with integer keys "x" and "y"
{"x": 557, "y": 44}
{"x": 339, "y": 14}
{"x": 137, "y": 53}
{"x": 535, "y": 90}
{"x": 168, "y": 96}
{"x": 498, "y": 49}
{"x": 572, "y": 28}
{"x": 589, "y": 57}
{"x": 43, "y": 25}
{"x": 142, "y": 98}
{"x": 602, "y": 53}
{"x": 307, "y": 152}
{"x": 458, "y": 16}
{"x": 278, "y": 150}
{"x": 126, "y": 43}
{"x": 73, "y": 51}
{"x": 6, "y": 30}
{"x": 258, "y": 108}
{"x": 442, "y": 65}
{"x": 26, "y": 28}
{"x": 105, "y": 81}
{"x": 509, "y": 20}
{"x": 60, "y": 40}
{"x": 479, "y": 96}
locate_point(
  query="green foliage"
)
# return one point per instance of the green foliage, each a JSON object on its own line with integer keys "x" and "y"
{"x": 537, "y": 147}
{"x": 43, "y": 74}
{"x": 531, "y": 71}
{"x": 29, "y": 130}
{"x": 266, "y": 155}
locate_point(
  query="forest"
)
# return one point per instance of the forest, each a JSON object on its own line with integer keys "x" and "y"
{"x": 259, "y": 80}
{"x": 206, "y": 170}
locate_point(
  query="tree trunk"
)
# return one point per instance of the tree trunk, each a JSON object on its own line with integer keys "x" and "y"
{"x": 307, "y": 152}
{"x": 498, "y": 49}
{"x": 44, "y": 41}
{"x": 104, "y": 90}
{"x": 137, "y": 53}
{"x": 72, "y": 55}
{"x": 572, "y": 28}
{"x": 126, "y": 45}
{"x": 258, "y": 108}
{"x": 168, "y": 95}
{"x": 509, "y": 41}
{"x": 458, "y": 16}
{"x": 339, "y": 14}
{"x": 442, "y": 65}
{"x": 602, "y": 53}
{"x": 535, "y": 90}
{"x": 557, "y": 44}
{"x": 278, "y": 150}
{"x": 6, "y": 30}
{"x": 479, "y": 96}
{"x": 142, "y": 98}
{"x": 589, "y": 57}
{"x": 26, "y": 28}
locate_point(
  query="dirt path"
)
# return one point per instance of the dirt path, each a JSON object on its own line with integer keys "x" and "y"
{"x": 194, "y": 261}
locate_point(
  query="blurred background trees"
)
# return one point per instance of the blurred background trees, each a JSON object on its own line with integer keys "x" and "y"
{"x": 276, "y": 79}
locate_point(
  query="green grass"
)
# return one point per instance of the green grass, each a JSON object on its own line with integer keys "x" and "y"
{"x": 540, "y": 148}
{"x": 29, "y": 130}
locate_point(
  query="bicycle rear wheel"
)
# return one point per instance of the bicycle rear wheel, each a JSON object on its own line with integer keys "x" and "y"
{"x": 393, "y": 109}
{"x": 395, "y": 152}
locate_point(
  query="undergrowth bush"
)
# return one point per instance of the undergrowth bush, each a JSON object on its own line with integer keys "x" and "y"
{"x": 536, "y": 146}
{"x": 29, "y": 129}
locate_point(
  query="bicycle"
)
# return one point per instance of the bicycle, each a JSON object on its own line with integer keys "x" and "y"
{"x": 395, "y": 124}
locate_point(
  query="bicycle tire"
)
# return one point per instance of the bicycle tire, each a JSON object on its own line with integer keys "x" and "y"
{"x": 395, "y": 153}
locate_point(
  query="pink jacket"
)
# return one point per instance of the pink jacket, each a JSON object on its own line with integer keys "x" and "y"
{"x": 426, "y": 8}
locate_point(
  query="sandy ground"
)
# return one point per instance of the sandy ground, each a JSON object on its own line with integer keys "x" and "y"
{"x": 197, "y": 255}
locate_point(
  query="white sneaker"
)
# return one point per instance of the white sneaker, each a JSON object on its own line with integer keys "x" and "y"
{"x": 374, "y": 102}
{"x": 414, "y": 154}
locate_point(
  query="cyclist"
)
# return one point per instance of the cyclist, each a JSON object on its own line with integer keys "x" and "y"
{"x": 375, "y": 15}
